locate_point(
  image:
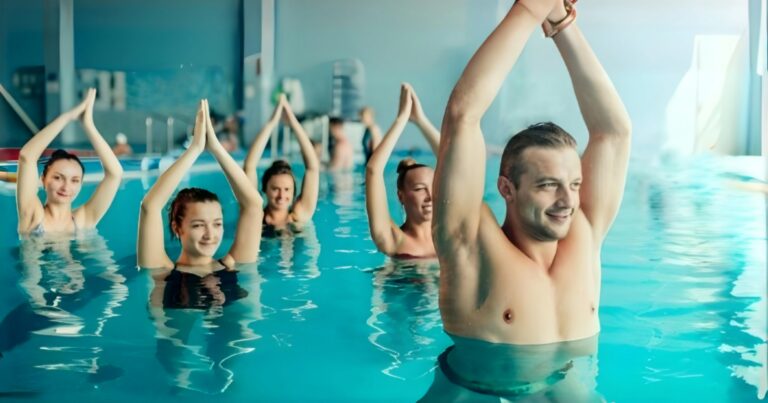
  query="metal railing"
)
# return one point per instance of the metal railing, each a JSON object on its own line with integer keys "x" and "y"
{"x": 20, "y": 112}
{"x": 170, "y": 122}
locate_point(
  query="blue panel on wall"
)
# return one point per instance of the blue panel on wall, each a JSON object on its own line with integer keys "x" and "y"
{"x": 176, "y": 91}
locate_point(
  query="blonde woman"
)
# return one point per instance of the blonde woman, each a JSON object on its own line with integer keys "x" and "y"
{"x": 412, "y": 239}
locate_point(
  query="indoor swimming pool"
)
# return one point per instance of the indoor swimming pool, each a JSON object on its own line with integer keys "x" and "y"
{"x": 328, "y": 318}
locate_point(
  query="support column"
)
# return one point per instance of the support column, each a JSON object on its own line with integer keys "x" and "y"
{"x": 258, "y": 63}
{"x": 59, "y": 59}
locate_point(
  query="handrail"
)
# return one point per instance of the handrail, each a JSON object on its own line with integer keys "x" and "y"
{"x": 16, "y": 108}
{"x": 170, "y": 121}
{"x": 150, "y": 137}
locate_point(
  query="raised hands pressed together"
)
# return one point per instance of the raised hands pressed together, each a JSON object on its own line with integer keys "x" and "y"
{"x": 278, "y": 182}
{"x": 62, "y": 178}
{"x": 414, "y": 188}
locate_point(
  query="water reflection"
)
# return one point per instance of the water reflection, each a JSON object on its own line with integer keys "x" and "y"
{"x": 691, "y": 287}
{"x": 714, "y": 250}
{"x": 346, "y": 224}
{"x": 478, "y": 371}
{"x": 346, "y": 191}
{"x": 197, "y": 341}
{"x": 73, "y": 288}
{"x": 295, "y": 255}
{"x": 405, "y": 316}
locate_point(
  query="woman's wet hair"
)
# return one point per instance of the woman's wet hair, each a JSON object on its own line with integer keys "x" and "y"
{"x": 178, "y": 206}
{"x": 278, "y": 167}
{"x": 61, "y": 155}
{"x": 405, "y": 166}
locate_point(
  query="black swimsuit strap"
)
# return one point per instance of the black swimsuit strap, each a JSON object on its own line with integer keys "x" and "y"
{"x": 221, "y": 262}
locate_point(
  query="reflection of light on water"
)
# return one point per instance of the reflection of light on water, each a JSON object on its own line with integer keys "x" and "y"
{"x": 704, "y": 295}
{"x": 394, "y": 315}
{"x": 84, "y": 365}
{"x": 378, "y": 307}
{"x": 68, "y": 330}
{"x": 752, "y": 320}
{"x": 65, "y": 278}
{"x": 754, "y": 375}
{"x": 750, "y": 284}
{"x": 198, "y": 343}
{"x": 297, "y": 312}
{"x": 684, "y": 269}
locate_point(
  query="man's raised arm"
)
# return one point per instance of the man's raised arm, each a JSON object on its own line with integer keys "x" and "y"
{"x": 605, "y": 160}
{"x": 459, "y": 178}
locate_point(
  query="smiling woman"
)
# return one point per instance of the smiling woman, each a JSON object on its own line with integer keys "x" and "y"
{"x": 196, "y": 219}
{"x": 62, "y": 178}
{"x": 413, "y": 239}
{"x": 278, "y": 182}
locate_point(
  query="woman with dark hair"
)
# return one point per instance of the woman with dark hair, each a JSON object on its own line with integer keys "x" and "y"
{"x": 63, "y": 178}
{"x": 196, "y": 219}
{"x": 413, "y": 239}
{"x": 278, "y": 182}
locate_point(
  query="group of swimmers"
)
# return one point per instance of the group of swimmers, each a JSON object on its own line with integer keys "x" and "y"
{"x": 195, "y": 214}
{"x": 533, "y": 280}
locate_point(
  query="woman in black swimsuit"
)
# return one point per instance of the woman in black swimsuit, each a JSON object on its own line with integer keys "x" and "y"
{"x": 196, "y": 279}
{"x": 278, "y": 182}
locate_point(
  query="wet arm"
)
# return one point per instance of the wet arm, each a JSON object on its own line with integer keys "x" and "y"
{"x": 28, "y": 205}
{"x": 460, "y": 173}
{"x": 310, "y": 186}
{"x": 102, "y": 197}
{"x": 259, "y": 143}
{"x": 419, "y": 118}
{"x": 605, "y": 160}
{"x": 384, "y": 232}
{"x": 245, "y": 248}
{"x": 151, "y": 236}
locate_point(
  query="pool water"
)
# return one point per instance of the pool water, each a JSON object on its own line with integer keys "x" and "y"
{"x": 328, "y": 318}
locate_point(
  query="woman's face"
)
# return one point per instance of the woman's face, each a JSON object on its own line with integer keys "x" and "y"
{"x": 202, "y": 228}
{"x": 416, "y": 194}
{"x": 280, "y": 189}
{"x": 63, "y": 181}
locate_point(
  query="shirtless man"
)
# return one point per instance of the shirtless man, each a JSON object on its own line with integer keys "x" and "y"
{"x": 536, "y": 279}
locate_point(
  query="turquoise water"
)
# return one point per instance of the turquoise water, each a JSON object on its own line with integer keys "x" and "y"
{"x": 328, "y": 318}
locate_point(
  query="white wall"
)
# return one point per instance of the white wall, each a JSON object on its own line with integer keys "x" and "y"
{"x": 395, "y": 40}
{"x": 645, "y": 47}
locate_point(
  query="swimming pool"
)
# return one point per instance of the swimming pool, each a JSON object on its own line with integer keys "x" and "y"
{"x": 328, "y": 318}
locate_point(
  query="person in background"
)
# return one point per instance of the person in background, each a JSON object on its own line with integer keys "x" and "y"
{"x": 230, "y": 134}
{"x": 228, "y": 129}
{"x": 342, "y": 153}
{"x": 372, "y": 135}
{"x": 8, "y": 176}
{"x": 121, "y": 147}
{"x": 278, "y": 182}
{"x": 413, "y": 239}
